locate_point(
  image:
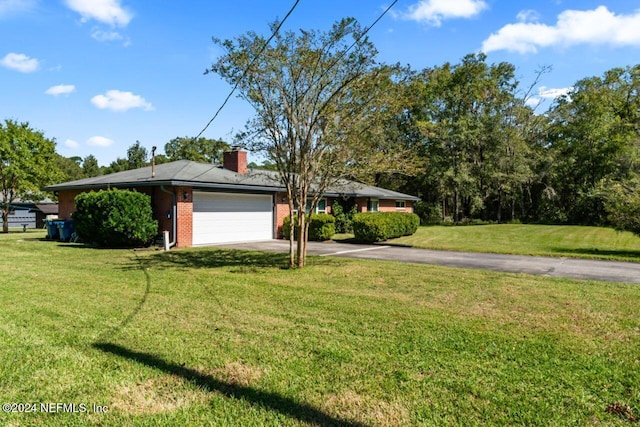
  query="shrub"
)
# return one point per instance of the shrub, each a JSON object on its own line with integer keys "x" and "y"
{"x": 321, "y": 228}
{"x": 380, "y": 226}
{"x": 115, "y": 218}
{"x": 429, "y": 213}
{"x": 344, "y": 220}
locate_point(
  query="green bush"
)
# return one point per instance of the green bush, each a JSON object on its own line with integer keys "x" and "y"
{"x": 321, "y": 228}
{"x": 429, "y": 213}
{"x": 344, "y": 220}
{"x": 380, "y": 226}
{"x": 115, "y": 218}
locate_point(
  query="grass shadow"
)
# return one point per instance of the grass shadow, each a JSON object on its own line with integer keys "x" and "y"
{"x": 628, "y": 255}
{"x": 284, "y": 405}
{"x": 212, "y": 258}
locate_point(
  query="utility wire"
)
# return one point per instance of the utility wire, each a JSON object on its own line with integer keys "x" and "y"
{"x": 244, "y": 74}
{"x": 354, "y": 42}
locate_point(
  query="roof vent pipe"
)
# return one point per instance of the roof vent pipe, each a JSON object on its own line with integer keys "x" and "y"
{"x": 153, "y": 161}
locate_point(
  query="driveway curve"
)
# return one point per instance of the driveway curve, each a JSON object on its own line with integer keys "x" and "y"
{"x": 608, "y": 271}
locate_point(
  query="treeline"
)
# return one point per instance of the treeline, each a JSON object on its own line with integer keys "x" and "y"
{"x": 488, "y": 155}
{"x": 181, "y": 148}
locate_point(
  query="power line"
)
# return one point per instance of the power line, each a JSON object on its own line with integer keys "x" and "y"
{"x": 356, "y": 41}
{"x": 244, "y": 74}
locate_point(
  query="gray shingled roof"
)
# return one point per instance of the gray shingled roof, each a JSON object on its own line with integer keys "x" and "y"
{"x": 208, "y": 176}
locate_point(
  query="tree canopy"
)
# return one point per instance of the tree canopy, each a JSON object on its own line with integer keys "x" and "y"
{"x": 199, "y": 150}
{"x": 26, "y": 164}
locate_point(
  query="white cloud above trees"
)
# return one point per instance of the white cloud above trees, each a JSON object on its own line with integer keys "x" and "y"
{"x": 100, "y": 141}
{"x": 433, "y": 12}
{"x": 60, "y": 90}
{"x": 70, "y": 143}
{"x": 599, "y": 26}
{"x": 116, "y": 100}
{"x": 109, "y": 12}
{"x": 20, "y": 62}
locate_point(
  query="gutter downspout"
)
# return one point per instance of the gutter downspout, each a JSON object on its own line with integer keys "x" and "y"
{"x": 174, "y": 215}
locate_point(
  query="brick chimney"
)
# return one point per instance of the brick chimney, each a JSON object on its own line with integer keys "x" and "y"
{"x": 235, "y": 160}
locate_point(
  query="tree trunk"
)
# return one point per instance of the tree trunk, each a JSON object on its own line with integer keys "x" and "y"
{"x": 292, "y": 229}
{"x": 302, "y": 238}
{"x": 5, "y": 219}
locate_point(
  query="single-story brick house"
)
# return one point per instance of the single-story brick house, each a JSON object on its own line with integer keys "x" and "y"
{"x": 203, "y": 204}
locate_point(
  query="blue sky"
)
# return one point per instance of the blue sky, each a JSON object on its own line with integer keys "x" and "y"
{"x": 98, "y": 75}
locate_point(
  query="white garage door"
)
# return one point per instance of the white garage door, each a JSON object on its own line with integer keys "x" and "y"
{"x": 223, "y": 217}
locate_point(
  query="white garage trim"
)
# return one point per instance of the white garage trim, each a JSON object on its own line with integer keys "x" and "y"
{"x": 231, "y": 217}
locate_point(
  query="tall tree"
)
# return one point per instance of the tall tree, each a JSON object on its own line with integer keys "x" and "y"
{"x": 69, "y": 167}
{"x": 199, "y": 150}
{"x": 475, "y": 148}
{"x": 594, "y": 134}
{"x": 90, "y": 167}
{"x": 137, "y": 156}
{"x": 321, "y": 102}
{"x": 27, "y": 162}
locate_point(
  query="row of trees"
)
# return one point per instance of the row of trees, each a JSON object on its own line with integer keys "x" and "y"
{"x": 137, "y": 156}
{"x": 487, "y": 154}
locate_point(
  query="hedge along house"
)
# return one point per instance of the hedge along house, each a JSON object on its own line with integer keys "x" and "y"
{"x": 205, "y": 204}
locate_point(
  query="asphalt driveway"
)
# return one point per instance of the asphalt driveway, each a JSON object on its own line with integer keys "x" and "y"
{"x": 609, "y": 271}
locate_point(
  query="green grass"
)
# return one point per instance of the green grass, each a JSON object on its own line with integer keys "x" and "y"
{"x": 220, "y": 337}
{"x": 524, "y": 239}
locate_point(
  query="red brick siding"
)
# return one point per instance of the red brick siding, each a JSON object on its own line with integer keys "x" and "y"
{"x": 390, "y": 206}
{"x": 185, "y": 217}
{"x": 281, "y": 211}
{"x": 162, "y": 205}
{"x": 66, "y": 203}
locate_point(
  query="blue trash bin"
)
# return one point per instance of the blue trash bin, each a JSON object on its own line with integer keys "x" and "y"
{"x": 52, "y": 229}
{"x": 65, "y": 230}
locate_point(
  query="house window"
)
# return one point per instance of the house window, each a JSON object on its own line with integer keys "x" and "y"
{"x": 400, "y": 204}
{"x": 373, "y": 205}
{"x": 321, "y": 207}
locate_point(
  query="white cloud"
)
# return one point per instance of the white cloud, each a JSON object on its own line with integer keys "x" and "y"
{"x": 433, "y": 12}
{"x": 116, "y": 100}
{"x": 20, "y": 62}
{"x": 60, "y": 90}
{"x": 573, "y": 27}
{"x": 100, "y": 141}
{"x": 70, "y": 143}
{"x": 11, "y": 7}
{"x": 545, "y": 93}
{"x": 109, "y": 36}
{"x": 105, "y": 11}
{"x": 528, "y": 15}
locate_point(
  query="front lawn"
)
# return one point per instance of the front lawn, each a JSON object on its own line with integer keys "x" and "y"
{"x": 527, "y": 239}
{"x": 220, "y": 337}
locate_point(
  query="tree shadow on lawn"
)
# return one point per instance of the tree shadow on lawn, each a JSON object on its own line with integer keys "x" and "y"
{"x": 245, "y": 261}
{"x": 629, "y": 255}
{"x": 285, "y": 405}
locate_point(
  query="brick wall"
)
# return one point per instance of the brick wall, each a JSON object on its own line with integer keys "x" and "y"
{"x": 185, "y": 217}
{"x": 66, "y": 203}
{"x": 162, "y": 205}
{"x": 390, "y": 206}
{"x": 282, "y": 211}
